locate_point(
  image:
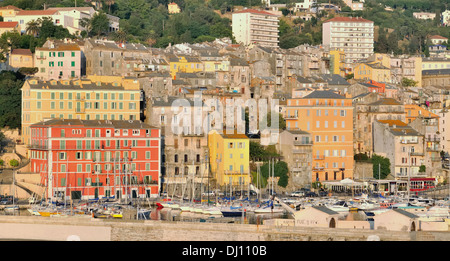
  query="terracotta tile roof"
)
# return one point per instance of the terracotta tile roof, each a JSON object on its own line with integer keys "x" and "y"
{"x": 438, "y": 37}
{"x": 37, "y": 12}
{"x": 226, "y": 135}
{"x": 8, "y": 24}
{"x": 393, "y": 122}
{"x": 349, "y": 19}
{"x": 10, "y": 7}
{"x": 21, "y": 52}
{"x": 253, "y": 11}
{"x": 61, "y": 47}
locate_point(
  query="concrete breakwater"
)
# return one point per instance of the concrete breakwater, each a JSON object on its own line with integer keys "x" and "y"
{"x": 85, "y": 228}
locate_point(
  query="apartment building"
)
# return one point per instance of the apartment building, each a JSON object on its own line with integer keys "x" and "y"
{"x": 368, "y": 112}
{"x": 296, "y": 148}
{"x": 328, "y": 116}
{"x": 91, "y": 159}
{"x": 374, "y": 71}
{"x": 402, "y": 145}
{"x": 105, "y": 57}
{"x": 92, "y": 98}
{"x": 353, "y": 35}
{"x": 185, "y": 147}
{"x": 60, "y": 60}
{"x": 229, "y": 158}
{"x": 252, "y": 26}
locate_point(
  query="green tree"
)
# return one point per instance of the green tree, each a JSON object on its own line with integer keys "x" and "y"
{"x": 33, "y": 27}
{"x": 381, "y": 163}
{"x": 406, "y": 82}
{"x": 280, "y": 170}
{"x": 99, "y": 24}
{"x": 14, "y": 163}
{"x": 10, "y": 99}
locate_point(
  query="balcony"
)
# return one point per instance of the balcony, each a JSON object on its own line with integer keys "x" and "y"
{"x": 291, "y": 117}
{"x": 301, "y": 142}
{"x": 235, "y": 172}
{"x": 38, "y": 147}
{"x": 417, "y": 153}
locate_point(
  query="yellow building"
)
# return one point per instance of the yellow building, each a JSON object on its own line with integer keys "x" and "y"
{"x": 186, "y": 64}
{"x": 337, "y": 58}
{"x": 91, "y": 98}
{"x": 372, "y": 71}
{"x": 229, "y": 158}
{"x": 8, "y": 11}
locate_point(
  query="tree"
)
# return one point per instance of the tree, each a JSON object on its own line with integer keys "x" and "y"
{"x": 99, "y": 24}
{"x": 33, "y": 27}
{"x": 280, "y": 170}
{"x": 120, "y": 36}
{"x": 13, "y": 163}
{"x": 406, "y": 82}
{"x": 10, "y": 99}
{"x": 381, "y": 163}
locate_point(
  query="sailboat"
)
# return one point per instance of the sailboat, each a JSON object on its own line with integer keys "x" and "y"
{"x": 12, "y": 209}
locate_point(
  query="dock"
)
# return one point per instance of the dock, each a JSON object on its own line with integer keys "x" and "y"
{"x": 285, "y": 206}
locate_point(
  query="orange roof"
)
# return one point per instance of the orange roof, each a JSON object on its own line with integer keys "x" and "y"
{"x": 21, "y": 52}
{"x": 61, "y": 47}
{"x": 393, "y": 122}
{"x": 253, "y": 11}
{"x": 438, "y": 37}
{"x": 226, "y": 134}
{"x": 349, "y": 19}
{"x": 10, "y": 7}
{"x": 8, "y": 24}
{"x": 37, "y": 12}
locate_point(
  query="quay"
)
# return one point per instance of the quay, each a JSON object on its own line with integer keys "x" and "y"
{"x": 85, "y": 228}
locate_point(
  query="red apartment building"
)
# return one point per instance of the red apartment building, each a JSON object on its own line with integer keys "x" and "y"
{"x": 88, "y": 159}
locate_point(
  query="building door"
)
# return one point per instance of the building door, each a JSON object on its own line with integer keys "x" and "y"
{"x": 75, "y": 195}
{"x": 96, "y": 193}
{"x": 332, "y": 223}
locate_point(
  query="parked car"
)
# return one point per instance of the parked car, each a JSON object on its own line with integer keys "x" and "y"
{"x": 208, "y": 193}
{"x": 311, "y": 194}
{"x": 323, "y": 193}
{"x": 297, "y": 193}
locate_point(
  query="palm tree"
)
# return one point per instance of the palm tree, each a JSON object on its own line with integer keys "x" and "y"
{"x": 33, "y": 27}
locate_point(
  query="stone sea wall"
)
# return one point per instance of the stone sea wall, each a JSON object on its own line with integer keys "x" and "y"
{"x": 90, "y": 229}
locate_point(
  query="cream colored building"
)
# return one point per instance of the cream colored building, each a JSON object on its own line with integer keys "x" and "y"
{"x": 21, "y": 58}
{"x": 173, "y": 8}
{"x": 251, "y": 26}
{"x": 8, "y": 27}
{"x": 353, "y": 35}
{"x": 91, "y": 98}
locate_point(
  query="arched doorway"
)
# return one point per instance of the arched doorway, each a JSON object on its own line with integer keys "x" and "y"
{"x": 332, "y": 223}
{"x": 413, "y": 226}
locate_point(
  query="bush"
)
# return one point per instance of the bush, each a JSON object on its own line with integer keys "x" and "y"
{"x": 14, "y": 163}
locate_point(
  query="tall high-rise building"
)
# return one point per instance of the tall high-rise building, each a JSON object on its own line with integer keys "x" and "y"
{"x": 255, "y": 27}
{"x": 353, "y": 35}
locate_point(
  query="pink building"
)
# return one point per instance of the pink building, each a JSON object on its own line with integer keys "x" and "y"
{"x": 87, "y": 159}
{"x": 58, "y": 60}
